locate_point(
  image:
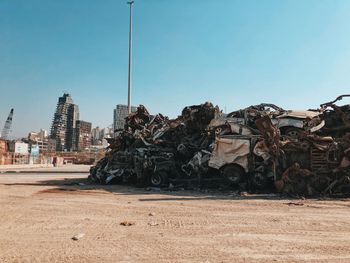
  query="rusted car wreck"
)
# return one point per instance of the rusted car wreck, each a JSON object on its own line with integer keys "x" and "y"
{"x": 260, "y": 148}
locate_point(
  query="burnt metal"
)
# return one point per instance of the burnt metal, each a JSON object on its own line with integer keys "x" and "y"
{"x": 153, "y": 150}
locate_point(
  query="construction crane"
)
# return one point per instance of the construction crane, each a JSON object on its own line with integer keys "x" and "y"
{"x": 7, "y": 128}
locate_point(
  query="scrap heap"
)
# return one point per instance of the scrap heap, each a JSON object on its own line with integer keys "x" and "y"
{"x": 154, "y": 149}
{"x": 250, "y": 149}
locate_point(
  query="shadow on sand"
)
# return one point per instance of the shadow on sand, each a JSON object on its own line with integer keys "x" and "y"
{"x": 84, "y": 186}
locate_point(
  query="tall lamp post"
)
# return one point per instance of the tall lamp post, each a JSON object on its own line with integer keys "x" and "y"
{"x": 130, "y": 57}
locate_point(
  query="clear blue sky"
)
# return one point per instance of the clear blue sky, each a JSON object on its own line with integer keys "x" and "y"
{"x": 234, "y": 53}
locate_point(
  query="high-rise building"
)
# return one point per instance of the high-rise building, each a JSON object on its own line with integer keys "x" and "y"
{"x": 119, "y": 115}
{"x": 83, "y": 135}
{"x": 96, "y": 136}
{"x": 73, "y": 117}
{"x": 63, "y": 123}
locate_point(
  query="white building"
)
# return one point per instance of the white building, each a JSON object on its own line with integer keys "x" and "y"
{"x": 19, "y": 147}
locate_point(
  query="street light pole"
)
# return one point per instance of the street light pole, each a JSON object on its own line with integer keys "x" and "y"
{"x": 130, "y": 57}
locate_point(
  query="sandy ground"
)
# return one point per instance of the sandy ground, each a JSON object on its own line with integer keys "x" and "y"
{"x": 40, "y": 213}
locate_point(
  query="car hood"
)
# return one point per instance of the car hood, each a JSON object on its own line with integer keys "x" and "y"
{"x": 300, "y": 114}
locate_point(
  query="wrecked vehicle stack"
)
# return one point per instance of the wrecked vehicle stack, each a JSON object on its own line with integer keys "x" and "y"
{"x": 261, "y": 148}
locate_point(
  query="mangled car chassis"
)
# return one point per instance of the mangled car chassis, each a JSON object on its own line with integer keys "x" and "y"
{"x": 260, "y": 148}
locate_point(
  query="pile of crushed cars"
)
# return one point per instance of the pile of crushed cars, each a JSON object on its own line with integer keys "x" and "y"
{"x": 262, "y": 148}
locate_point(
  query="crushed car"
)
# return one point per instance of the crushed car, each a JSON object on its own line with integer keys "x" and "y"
{"x": 290, "y": 122}
{"x": 259, "y": 148}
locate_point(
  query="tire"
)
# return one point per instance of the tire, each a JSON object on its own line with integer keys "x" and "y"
{"x": 233, "y": 173}
{"x": 292, "y": 132}
{"x": 158, "y": 179}
{"x": 259, "y": 181}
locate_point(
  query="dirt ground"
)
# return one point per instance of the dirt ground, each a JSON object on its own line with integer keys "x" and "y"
{"x": 40, "y": 213}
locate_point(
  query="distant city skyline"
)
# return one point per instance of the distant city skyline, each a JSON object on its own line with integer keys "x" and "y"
{"x": 295, "y": 54}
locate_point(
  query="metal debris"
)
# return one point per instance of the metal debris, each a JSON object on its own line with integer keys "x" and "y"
{"x": 262, "y": 148}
